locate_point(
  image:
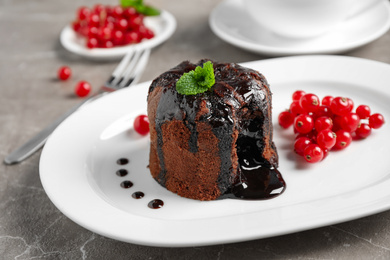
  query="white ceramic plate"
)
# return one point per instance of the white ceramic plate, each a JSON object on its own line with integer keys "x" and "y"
{"x": 163, "y": 27}
{"x": 78, "y": 166}
{"x": 230, "y": 21}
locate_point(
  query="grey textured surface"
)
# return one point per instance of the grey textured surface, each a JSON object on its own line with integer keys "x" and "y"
{"x": 30, "y": 225}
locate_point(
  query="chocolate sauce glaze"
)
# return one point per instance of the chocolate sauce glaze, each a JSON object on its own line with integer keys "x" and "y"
{"x": 240, "y": 99}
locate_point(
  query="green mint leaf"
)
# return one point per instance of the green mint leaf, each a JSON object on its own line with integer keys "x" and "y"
{"x": 196, "y": 81}
{"x": 150, "y": 11}
{"x": 140, "y": 7}
{"x": 128, "y": 3}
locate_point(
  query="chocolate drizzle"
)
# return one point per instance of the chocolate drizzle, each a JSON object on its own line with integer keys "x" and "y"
{"x": 239, "y": 102}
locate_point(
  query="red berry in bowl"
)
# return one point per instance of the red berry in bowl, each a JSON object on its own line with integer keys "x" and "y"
{"x": 309, "y": 102}
{"x": 286, "y": 119}
{"x": 141, "y": 124}
{"x": 64, "y": 73}
{"x": 363, "y": 111}
{"x": 303, "y": 124}
{"x": 343, "y": 139}
{"x": 313, "y": 153}
{"x": 363, "y": 131}
{"x": 376, "y": 121}
{"x": 82, "y": 89}
{"x": 92, "y": 43}
{"x": 83, "y": 13}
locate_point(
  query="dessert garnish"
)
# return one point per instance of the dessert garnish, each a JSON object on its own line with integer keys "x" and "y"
{"x": 196, "y": 81}
{"x": 327, "y": 124}
{"x": 141, "y": 124}
{"x": 140, "y": 7}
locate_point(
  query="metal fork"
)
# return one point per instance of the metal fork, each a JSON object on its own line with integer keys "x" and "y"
{"x": 126, "y": 74}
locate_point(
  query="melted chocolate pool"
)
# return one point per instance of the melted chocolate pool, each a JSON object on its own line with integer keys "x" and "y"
{"x": 155, "y": 204}
{"x": 138, "y": 195}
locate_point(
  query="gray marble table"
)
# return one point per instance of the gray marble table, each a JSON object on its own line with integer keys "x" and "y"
{"x": 31, "y": 227}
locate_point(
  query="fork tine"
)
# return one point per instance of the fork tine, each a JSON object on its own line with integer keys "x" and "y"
{"x": 135, "y": 69}
{"x": 115, "y": 76}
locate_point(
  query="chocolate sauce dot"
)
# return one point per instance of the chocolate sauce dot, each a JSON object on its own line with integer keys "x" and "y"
{"x": 138, "y": 195}
{"x": 122, "y": 172}
{"x": 156, "y": 204}
{"x": 122, "y": 161}
{"x": 126, "y": 184}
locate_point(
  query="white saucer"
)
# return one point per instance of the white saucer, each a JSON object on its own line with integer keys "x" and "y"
{"x": 163, "y": 27}
{"x": 231, "y": 23}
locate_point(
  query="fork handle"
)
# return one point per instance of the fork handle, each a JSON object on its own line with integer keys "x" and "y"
{"x": 35, "y": 143}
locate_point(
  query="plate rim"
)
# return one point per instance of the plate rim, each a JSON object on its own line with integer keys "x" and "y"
{"x": 118, "y": 52}
{"x": 280, "y": 51}
{"x": 162, "y": 240}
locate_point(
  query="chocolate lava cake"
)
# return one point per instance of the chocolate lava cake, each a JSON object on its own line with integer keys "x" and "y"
{"x": 218, "y": 143}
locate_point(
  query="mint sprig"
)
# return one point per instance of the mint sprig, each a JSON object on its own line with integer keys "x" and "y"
{"x": 140, "y": 7}
{"x": 196, "y": 81}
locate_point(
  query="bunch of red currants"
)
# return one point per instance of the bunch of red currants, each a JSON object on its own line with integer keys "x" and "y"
{"x": 327, "y": 124}
{"x": 106, "y": 26}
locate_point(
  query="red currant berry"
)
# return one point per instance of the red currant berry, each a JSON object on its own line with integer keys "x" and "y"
{"x": 300, "y": 144}
{"x": 92, "y": 32}
{"x": 135, "y": 21}
{"x": 99, "y": 8}
{"x": 324, "y": 111}
{"x": 117, "y": 37}
{"x": 303, "y": 124}
{"x": 104, "y": 33}
{"x": 286, "y": 119}
{"x": 83, "y": 13}
{"x": 340, "y": 106}
{"x": 326, "y": 153}
{"x": 350, "y": 122}
{"x": 117, "y": 11}
{"x": 121, "y": 24}
{"x": 350, "y": 104}
{"x": 141, "y": 124}
{"x": 376, "y": 121}
{"x": 76, "y": 25}
{"x": 296, "y": 96}
{"x": 336, "y": 123}
{"x": 363, "y": 131}
{"x": 313, "y": 153}
{"x": 295, "y": 108}
{"x": 92, "y": 43}
{"x": 323, "y": 123}
{"x": 106, "y": 44}
{"x": 309, "y": 102}
{"x": 128, "y": 12}
{"x": 82, "y": 89}
{"x": 132, "y": 37}
{"x": 343, "y": 139}
{"x": 363, "y": 111}
{"x": 326, "y": 139}
{"x": 327, "y": 100}
{"x": 64, "y": 73}
{"x": 94, "y": 20}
